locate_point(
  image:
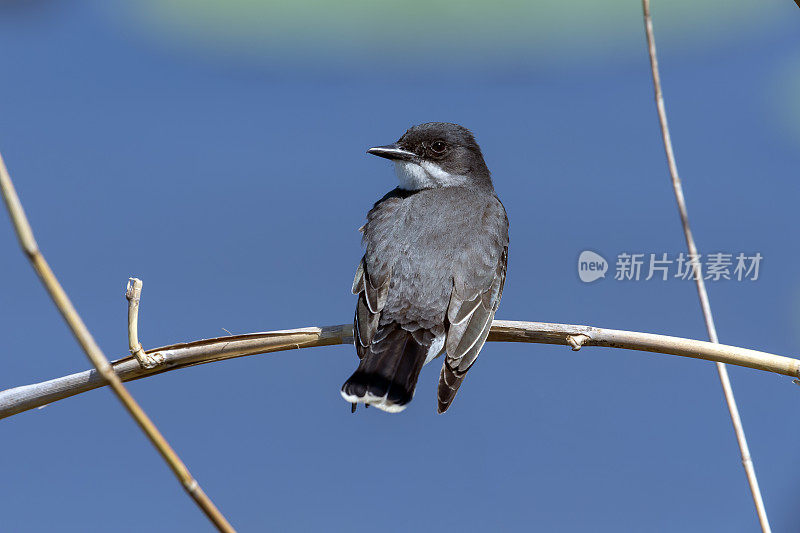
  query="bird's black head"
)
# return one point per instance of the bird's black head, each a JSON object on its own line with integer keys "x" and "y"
{"x": 436, "y": 154}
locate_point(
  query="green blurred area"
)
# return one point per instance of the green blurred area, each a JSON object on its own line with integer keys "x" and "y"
{"x": 438, "y": 30}
{"x": 421, "y": 34}
{"x": 789, "y": 97}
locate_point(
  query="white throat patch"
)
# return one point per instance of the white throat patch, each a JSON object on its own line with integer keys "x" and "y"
{"x": 415, "y": 176}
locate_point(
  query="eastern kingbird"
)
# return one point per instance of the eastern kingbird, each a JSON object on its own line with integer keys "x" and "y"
{"x": 433, "y": 272}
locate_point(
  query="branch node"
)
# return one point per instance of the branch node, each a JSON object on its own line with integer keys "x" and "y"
{"x": 576, "y": 341}
{"x": 150, "y": 360}
{"x": 133, "y": 294}
{"x": 191, "y": 486}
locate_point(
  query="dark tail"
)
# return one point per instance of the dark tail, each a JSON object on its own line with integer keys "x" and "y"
{"x": 387, "y": 374}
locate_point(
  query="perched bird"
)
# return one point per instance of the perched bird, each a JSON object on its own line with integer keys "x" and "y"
{"x": 433, "y": 272}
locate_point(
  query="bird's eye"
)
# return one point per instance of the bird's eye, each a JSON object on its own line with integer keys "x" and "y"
{"x": 438, "y": 147}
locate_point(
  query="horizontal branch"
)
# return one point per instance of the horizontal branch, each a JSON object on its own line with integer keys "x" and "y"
{"x": 19, "y": 399}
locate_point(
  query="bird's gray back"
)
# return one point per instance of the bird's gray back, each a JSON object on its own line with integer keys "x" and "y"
{"x": 430, "y": 241}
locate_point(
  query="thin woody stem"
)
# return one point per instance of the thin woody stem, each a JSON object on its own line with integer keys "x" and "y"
{"x": 96, "y": 356}
{"x": 705, "y": 305}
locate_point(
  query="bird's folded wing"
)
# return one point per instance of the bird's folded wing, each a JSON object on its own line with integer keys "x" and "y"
{"x": 470, "y": 318}
{"x": 372, "y": 295}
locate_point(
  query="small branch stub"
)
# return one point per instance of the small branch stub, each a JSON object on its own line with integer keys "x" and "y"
{"x": 133, "y": 294}
{"x": 576, "y": 341}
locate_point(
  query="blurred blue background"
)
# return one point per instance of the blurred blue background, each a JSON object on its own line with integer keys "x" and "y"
{"x": 217, "y": 152}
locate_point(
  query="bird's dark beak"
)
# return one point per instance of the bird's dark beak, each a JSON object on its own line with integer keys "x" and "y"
{"x": 393, "y": 152}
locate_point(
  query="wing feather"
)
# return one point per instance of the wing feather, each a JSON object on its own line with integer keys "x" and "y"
{"x": 358, "y": 280}
{"x": 371, "y": 300}
{"x": 366, "y": 322}
{"x": 459, "y": 309}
